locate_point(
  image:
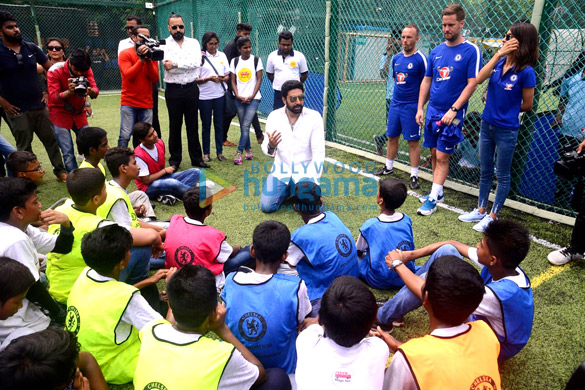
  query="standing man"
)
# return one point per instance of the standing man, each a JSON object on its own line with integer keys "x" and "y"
{"x": 138, "y": 74}
{"x": 182, "y": 60}
{"x": 408, "y": 70}
{"x": 20, "y": 93}
{"x": 296, "y": 140}
{"x": 285, "y": 64}
{"x": 450, "y": 80}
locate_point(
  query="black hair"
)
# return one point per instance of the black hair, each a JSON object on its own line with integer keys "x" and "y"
{"x": 173, "y": 16}
{"x": 307, "y": 198}
{"x": 14, "y": 192}
{"x": 60, "y": 43}
{"x": 393, "y": 192}
{"x": 271, "y": 240}
{"x": 207, "y": 37}
{"x": 508, "y": 241}
{"x": 17, "y": 161}
{"x": 286, "y": 35}
{"x": 103, "y": 248}
{"x": 41, "y": 360}
{"x": 80, "y": 60}
{"x": 289, "y": 85}
{"x": 136, "y": 28}
{"x": 192, "y": 295}
{"x": 191, "y": 201}
{"x": 83, "y": 184}
{"x": 15, "y": 278}
{"x": 90, "y": 137}
{"x": 6, "y": 17}
{"x": 244, "y": 27}
{"x": 140, "y": 130}
{"x": 348, "y": 310}
{"x": 116, "y": 157}
{"x": 241, "y": 41}
{"x": 135, "y": 18}
{"x": 454, "y": 289}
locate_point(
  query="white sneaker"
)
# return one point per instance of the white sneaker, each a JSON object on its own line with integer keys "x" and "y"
{"x": 473, "y": 216}
{"x": 563, "y": 256}
{"x": 481, "y": 225}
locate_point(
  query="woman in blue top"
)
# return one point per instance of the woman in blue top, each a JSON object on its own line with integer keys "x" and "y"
{"x": 510, "y": 91}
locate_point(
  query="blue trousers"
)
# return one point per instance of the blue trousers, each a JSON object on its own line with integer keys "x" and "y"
{"x": 242, "y": 258}
{"x": 175, "y": 184}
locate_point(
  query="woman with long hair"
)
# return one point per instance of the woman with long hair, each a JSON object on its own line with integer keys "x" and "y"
{"x": 510, "y": 91}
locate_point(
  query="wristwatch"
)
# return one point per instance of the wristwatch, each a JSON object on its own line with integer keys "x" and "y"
{"x": 454, "y": 109}
{"x": 87, "y": 104}
{"x": 396, "y": 263}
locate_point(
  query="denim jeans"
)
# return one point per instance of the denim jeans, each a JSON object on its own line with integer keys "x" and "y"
{"x": 274, "y": 192}
{"x": 243, "y": 257}
{"x": 206, "y": 108}
{"x": 175, "y": 184}
{"x": 128, "y": 118}
{"x": 494, "y": 139}
{"x": 5, "y": 150}
{"x": 405, "y": 301}
{"x": 63, "y": 137}
{"x": 138, "y": 265}
{"x": 246, "y": 114}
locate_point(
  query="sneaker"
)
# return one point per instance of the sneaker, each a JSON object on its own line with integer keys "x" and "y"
{"x": 238, "y": 159}
{"x": 380, "y": 143}
{"x": 384, "y": 171}
{"x": 424, "y": 198}
{"x": 428, "y": 207}
{"x": 206, "y": 158}
{"x": 563, "y": 256}
{"x": 168, "y": 200}
{"x": 473, "y": 216}
{"x": 249, "y": 155}
{"x": 481, "y": 225}
{"x": 414, "y": 185}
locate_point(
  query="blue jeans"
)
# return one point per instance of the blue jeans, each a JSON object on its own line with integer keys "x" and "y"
{"x": 206, "y": 107}
{"x": 5, "y": 150}
{"x": 175, "y": 184}
{"x": 246, "y": 113}
{"x": 128, "y": 118}
{"x": 274, "y": 192}
{"x": 63, "y": 137}
{"x": 492, "y": 139}
{"x": 405, "y": 301}
{"x": 138, "y": 266}
{"x": 243, "y": 257}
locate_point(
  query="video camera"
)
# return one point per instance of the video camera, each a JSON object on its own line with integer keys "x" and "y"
{"x": 81, "y": 85}
{"x": 570, "y": 165}
{"x": 153, "y": 53}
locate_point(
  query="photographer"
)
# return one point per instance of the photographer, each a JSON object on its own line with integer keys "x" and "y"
{"x": 68, "y": 84}
{"x": 576, "y": 250}
{"x": 139, "y": 72}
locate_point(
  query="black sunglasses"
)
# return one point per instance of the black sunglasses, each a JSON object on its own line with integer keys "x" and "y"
{"x": 178, "y": 26}
{"x": 54, "y": 48}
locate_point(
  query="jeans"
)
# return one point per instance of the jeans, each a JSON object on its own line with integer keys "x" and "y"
{"x": 405, "y": 301}
{"x": 492, "y": 139}
{"x": 138, "y": 266}
{"x": 65, "y": 142}
{"x": 243, "y": 257}
{"x": 274, "y": 192}
{"x": 5, "y": 150}
{"x": 246, "y": 113}
{"x": 129, "y": 116}
{"x": 175, "y": 184}
{"x": 206, "y": 108}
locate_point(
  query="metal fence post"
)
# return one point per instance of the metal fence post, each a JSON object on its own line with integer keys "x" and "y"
{"x": 331, "y": 68}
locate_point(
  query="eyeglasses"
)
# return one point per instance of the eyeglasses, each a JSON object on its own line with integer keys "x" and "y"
{"x": 295, "y": 98}
{"x": 37, "y": 169}
{"x": 178, "y": 26}
{"x": 129, "y": 27}
{"x": 54, "y": 48}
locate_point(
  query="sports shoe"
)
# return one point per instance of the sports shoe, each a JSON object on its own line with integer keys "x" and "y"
{"x": 424, "y": 198}
{"x": 168, "y": 200}
{"x": 380, "y": 143}
{"x": 414, "y": 185}
{"x": 428, "y": 207}
{"x": 249, "y": 155}
{"x": 238, "y": 159}
{"x": 563, "y": 256}
{"x": 472, "y": 216}
{"x": 481, "y": 225}
{"x": 206, "y": 158}
{"x": 383, "y": 171}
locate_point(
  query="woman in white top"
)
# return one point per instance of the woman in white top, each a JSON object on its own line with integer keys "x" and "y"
{"x": 214, "y": 71}
{"x": 246, "y": 77}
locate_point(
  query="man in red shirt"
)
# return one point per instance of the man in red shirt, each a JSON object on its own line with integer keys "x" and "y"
{"x": 138, "y": 75}
{"x": 67, "y": 100}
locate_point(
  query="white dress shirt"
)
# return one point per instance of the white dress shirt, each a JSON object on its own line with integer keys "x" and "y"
{"x": 301, "y": 151}
{"x": 125, "y": 44}
{"x": 187, "y": 57}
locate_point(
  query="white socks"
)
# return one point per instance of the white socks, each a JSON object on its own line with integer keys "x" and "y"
{"x": 436, "y": 191}
{"x": 414, "y": 171}
{"x": 389, "y": 164}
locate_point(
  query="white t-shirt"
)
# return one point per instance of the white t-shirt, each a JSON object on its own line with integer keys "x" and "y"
{"x": 284, "y": 69}
{"x": 211, "y": 90}
{"x": 142, "y": 164}
{"x": 323, "y": 364}
{"x": 125, "y": 44}
{"x": 246, "y": 76}
{"x": 238, "y": 373}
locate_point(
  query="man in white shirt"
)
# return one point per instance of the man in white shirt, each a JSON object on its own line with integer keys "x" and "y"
{"x": 296, "y": 140}
{"x": 182, "y": 61}
{"x": 285, "y": 64}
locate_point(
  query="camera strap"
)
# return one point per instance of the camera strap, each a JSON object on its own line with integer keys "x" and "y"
{"x": 215, "y": 70}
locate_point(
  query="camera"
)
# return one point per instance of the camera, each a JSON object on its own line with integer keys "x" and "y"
{"x": 152, "y": 45}
{"x": 81, "y": 85}
{"x": 570, "y": 165}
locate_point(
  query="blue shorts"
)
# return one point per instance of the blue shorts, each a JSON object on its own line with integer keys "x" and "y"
{"x": 402, "y": 119}
{"x": 436, "y": 140}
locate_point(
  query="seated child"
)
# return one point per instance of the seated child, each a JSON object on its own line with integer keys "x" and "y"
{"x": 155, "y": 178}
{"x": 92, "y": 143}
{"x": 192, "y": 360}
{"x": 189, "y": 241}
{"x": 265, "y": 308}
{"x": 25, "y": 164}
{"x": 335, "y": 353}
{"x": 323, "y": 248}
{"x": 390, "y": 230}
{"x": 507, "y": 304}
{"x": 455, "y": 354}
{"x": 49, "y": 359}
{"x": 102, "y": 312}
